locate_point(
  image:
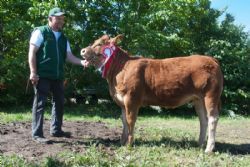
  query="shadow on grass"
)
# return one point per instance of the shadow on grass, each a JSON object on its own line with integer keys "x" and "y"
{"x": 106, "y": 142}
{"x": 53, "y": 162}
{"x": 166, "y": 141}
{"x": 233, "y": 149}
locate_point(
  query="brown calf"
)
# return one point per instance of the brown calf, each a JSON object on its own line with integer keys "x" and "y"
{"x": 172, "y": 82}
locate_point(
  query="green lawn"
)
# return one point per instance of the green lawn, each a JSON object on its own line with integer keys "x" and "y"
{"x": 161, "y": 139}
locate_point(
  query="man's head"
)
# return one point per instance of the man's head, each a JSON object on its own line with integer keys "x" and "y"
{"x": 56, "y": 19}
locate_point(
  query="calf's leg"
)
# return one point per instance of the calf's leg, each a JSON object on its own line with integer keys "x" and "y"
{"x": 124, "y": 136}
{"x": 202, "y": 113}
{"x": 213, "y": 117}
{"x": 131, "y": 111}
{"x": 131, "y": 116}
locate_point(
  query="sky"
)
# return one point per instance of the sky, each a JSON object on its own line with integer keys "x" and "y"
{"x": 240, "y": 9}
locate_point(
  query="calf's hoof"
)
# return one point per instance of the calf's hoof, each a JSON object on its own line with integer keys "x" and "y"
{"x": 123, "y": 141}
{"x": 209, "y": 150}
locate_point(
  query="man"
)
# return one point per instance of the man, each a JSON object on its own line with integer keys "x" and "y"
{"x": 48, "y": 50}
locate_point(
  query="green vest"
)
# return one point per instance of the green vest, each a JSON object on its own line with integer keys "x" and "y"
{"x": 51, "y": 55}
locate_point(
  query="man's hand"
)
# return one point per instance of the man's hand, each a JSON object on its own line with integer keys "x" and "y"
{"x": 84, "y": 63}
{"x": 34, "y": 78}
{"x": 75, "y": 60}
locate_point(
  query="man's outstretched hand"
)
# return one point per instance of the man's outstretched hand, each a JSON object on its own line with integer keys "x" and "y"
{"x": 84, "y": 63}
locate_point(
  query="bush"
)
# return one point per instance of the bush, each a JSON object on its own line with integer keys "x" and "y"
{"x": 154, "y": 29}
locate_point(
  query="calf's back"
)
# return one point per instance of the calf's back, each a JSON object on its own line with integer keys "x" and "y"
{"x": 168, "y": 82}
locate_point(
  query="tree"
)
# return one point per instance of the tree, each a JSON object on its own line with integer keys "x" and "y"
{"x": 157, "y": 29}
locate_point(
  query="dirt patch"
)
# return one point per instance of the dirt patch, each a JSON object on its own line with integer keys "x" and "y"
{"x": 15, "y": 138}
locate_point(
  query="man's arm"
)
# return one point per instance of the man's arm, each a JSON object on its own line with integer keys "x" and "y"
{"x": 74, "y": 60}
{"x": 32, "y": 64}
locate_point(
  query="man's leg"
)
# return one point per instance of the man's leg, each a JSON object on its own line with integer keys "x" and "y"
{"x": 41, "y": 91}
{"x": 57, "y": 107}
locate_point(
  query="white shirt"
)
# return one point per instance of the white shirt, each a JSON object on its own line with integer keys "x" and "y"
{"x": 37, "y": 38}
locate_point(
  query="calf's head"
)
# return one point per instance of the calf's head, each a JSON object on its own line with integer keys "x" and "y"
{"x": 95, "y": 53}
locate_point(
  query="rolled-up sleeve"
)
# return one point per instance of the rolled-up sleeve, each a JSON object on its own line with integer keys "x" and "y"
{"x": 68, "y": 47}
{"x": 36, "y": 38}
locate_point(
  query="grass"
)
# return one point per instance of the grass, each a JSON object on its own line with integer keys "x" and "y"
{"x": 161, "y": 139}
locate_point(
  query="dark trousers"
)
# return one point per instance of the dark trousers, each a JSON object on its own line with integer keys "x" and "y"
{"x": 41, "y": 91}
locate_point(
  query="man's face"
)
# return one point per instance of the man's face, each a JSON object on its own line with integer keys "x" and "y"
{"x": 57, "y": 22}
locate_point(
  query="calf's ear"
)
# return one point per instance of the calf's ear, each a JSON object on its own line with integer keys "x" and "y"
{"x": 116, "y": 39}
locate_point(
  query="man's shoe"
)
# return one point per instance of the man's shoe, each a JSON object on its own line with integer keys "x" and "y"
{"x": 41, "y": 140}
{"x": 61, "y": 134}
